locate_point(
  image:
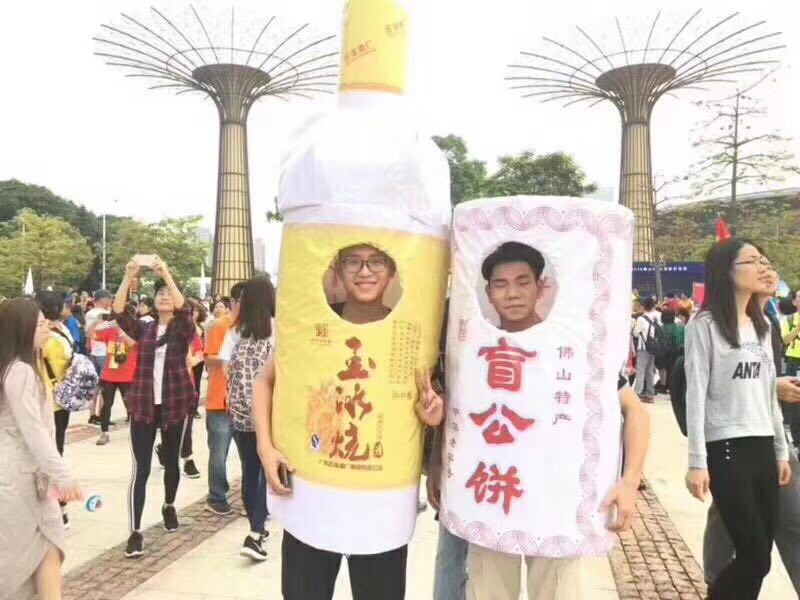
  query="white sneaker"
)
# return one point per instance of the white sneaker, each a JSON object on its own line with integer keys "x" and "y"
{"x": 103, "y": 439}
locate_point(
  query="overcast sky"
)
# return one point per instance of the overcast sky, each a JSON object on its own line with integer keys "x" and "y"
{"x": 79, "y": 127}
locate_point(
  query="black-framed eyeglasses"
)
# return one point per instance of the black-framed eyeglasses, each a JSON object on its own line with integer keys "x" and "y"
{"x": 353, "y": 264}
{"x": 761, "y": 262}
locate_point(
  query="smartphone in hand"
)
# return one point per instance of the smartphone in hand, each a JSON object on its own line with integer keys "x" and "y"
{"x": 145, "y": 260}
{"x": 285, "y": 476}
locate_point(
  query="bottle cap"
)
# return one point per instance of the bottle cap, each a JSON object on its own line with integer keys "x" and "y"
{"x": 374, "y": 46}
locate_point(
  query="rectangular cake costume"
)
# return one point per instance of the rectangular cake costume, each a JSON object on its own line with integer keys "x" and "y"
{"x": 533, "y": 427}
{"x": 343, "y": 408}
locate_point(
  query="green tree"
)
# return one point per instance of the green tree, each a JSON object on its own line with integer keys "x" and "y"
{"x": 58, "y": 255}
{"x": 737, "y": 151}
{"x": 174, "y": 240}
{"x": 467, "y": 175}
{"x": 553, "y": 174}
{"x": 16, "y": 195}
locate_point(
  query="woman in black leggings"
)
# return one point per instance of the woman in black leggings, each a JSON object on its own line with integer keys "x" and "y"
{"x": 161, "y": 395}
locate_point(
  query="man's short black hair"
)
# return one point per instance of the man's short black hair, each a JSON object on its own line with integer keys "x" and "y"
{"x": 513, "y": 252}
{"x": 667, "y": 316}
{"x": 51, "y": 304}
{"x": 648, "y": 303}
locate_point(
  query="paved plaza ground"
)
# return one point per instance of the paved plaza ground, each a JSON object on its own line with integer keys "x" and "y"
{"x": 657, "y": 559}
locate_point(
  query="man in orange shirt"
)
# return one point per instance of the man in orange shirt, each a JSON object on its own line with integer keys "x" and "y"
{"x": 218, "y": 422}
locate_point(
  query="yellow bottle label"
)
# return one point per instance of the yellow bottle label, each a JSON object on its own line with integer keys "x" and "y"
{"x": 374, "y": 46}
{"x": 343, "y": 405}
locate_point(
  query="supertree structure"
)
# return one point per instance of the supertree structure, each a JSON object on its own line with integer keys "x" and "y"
{"x": 197, "y": 58}
{"x": 690, "y": 55}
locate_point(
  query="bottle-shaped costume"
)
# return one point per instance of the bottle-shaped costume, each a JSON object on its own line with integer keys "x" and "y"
{"x": 533, "y": 426}
{"x": 343, "y": 408}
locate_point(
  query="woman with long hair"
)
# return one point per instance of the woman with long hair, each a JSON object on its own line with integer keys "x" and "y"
{"x": 161, "y": 394}
{"x": 33, "y": 475}
{"x": 247, "y": 346}
{"x": 737, "y": 447}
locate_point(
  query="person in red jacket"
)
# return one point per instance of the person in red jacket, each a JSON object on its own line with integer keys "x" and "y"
{"x": 117, "y": 374}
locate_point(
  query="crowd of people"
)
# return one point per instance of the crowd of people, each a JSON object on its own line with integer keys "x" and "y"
{"x": 739, "y": 354}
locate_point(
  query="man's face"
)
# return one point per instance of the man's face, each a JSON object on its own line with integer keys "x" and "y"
{"x": 513, "y": 291}
{"x": 104, "y": 303}
{"x": 797, "y": 300}
{"x": 365, "y": 272}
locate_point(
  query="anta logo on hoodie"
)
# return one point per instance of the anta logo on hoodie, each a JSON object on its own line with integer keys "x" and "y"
{"x": 747, "y": 370}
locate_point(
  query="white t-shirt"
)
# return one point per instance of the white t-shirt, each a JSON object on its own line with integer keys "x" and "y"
{"x": 146, "y": 319}
{"x": 158, "y": 366}
{"x": 93, "y": 317}
{"x": 232, "y": 337}
{"x": 642, "y": 330}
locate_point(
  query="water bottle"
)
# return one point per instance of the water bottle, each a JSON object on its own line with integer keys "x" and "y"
{"x": 94, "y": 502}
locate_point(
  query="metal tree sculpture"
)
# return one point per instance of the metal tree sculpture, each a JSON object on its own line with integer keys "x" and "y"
{"x": 189, "y": 60}
{"x": 634, "y": 78}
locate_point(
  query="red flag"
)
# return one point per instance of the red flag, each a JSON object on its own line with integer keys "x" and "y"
{"x": 723, "y": 233}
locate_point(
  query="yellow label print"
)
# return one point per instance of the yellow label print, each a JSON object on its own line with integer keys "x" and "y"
{"x": 343, "y": 410}
{"x": 374, "y": 46}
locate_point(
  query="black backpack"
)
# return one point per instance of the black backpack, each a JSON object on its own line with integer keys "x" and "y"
{"x": 677, "y": 392}
{"x": 655, "y": 344}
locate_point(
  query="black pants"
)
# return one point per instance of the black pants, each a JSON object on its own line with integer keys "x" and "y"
{"x": 310, "y": 574}
{"x": 744, "y": 483}
{"x": 186, "y": 445}
{"x": 197, "y": 374}
{"x": 143, "y": 437}
{"x": 109, "y": 391}
{"x": 61, "y": 418}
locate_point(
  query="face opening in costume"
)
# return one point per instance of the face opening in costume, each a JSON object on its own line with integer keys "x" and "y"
{"x": 515, "y": 284}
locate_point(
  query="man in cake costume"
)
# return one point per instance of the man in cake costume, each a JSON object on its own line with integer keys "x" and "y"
{"x": 513, "y": 274}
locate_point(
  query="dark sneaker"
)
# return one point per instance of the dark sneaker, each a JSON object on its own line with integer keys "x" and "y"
{"x": 135, "y": 545}
{"x": 253, "y": 548}
{"x": 422, "y": 506}
{"x": 190, "y": 470}
{"x": 95, "y": 421}
{"x": 160, "y": 455}
{"x": 170, "y": 518}
{"x": 197, "y": 415}
{"x": 65, "y": 520}
{"x": 112, "y": 425}
{"x": 218, "y": 508}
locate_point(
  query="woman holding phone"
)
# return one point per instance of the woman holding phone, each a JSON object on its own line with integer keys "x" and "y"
{"x": 33, "y": 475}
{"x": 737, "y": 447}
{"x": 161, "y": 395}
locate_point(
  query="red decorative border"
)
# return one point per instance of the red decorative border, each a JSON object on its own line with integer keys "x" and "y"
{"x": 602, "y": 228}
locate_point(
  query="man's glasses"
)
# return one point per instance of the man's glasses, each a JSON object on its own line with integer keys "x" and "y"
{"x": 353, "y": 265}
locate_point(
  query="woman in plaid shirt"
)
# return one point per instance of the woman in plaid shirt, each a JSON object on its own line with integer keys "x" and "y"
{"x": 161, "y": 395}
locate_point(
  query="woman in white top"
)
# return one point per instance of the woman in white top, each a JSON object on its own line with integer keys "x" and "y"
{"x": 33, "y": 476}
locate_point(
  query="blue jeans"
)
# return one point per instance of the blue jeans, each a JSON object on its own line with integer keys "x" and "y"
{"x": 450, "y": 574}
{"x": 254, "y": 481}
{"x": 220, "y": 434}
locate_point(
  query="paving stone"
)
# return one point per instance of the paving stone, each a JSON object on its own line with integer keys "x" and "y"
{"x": 652, "y": 561}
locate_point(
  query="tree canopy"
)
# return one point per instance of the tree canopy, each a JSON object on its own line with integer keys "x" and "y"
{"x": 55, "y": 251}
{"x": 552, "y": 174}
{"x": 65, "y": 232}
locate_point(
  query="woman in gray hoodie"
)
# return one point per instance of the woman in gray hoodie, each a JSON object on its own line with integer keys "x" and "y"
{"x": 737, "y": 448}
